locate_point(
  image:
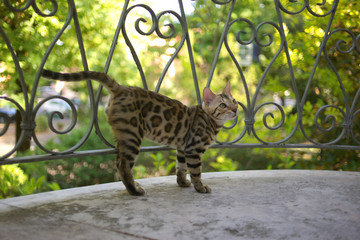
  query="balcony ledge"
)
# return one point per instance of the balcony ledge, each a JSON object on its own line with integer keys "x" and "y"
{"x": 276, "y": 204}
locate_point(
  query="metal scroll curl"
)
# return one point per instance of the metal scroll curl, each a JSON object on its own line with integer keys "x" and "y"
{"x": 5, "y": 117}
{"x": 270, "y": 114}
{"x": 348, "y": 112}
{"x": 265, "y": 121}
{"x": 35, "y": 7}
{"x": 221, "y": 2}
{"x": 329, "y": 119}
{"x": 6, "y": 120}
{"x": 251, "y": 110}
{"x": 347, "y": 124}
{"x": 170, "y": 35}
{"x": 7, "y": 123}
{"x": 306, "y": 5}
{"x": 155, "y": 19}
{"x": 155, "y": 27}
{"x": 28, "y": 114}
{"x": 341, "y": 44}
{"x": 254, "y": 38}
{"x": 51, "y": 119}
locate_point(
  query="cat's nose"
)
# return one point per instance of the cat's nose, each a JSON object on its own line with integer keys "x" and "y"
{"x": 234, "y": 110}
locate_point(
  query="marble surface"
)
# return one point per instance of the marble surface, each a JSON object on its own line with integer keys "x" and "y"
{"x": 274, "y": 204}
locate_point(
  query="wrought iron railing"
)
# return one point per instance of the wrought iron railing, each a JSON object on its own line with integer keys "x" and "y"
{"x": 250, "y": 108}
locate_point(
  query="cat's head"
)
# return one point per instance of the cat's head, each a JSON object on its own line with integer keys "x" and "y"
{"x": 222, "y": 107}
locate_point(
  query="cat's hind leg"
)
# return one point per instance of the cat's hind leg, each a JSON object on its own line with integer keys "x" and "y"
{"x": 125, "y": 161}
{"x": 181, "y": 169}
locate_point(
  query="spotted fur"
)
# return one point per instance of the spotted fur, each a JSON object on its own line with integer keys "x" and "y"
{"x": 135, "y": 113}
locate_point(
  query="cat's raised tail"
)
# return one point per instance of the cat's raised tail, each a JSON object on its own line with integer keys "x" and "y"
{"x": 103, "y": 78}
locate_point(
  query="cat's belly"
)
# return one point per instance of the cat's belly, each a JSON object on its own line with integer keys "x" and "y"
{"x": 160, "y": 136}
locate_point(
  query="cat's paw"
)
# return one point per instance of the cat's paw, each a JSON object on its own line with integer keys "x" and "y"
{"x": 203, "y": 189}
{"x": 137, "y": 190}
{"x": 183, "y": 182}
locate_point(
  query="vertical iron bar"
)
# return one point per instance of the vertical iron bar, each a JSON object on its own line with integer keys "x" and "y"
{"x": 292, "y": 75}
{"x": 216, "y": 58}
{"x": 93, "y": 104}
{"x": 116, "y": 37}
{"x": 318, "y": 55}
{"x": 106, "y": 69}
{"x": 191, "y": 57}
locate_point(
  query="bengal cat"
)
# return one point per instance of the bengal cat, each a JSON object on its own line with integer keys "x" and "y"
{"x": 135, "y": 113}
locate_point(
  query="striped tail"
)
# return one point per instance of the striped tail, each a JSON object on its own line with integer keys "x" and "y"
{"x": 102, "y": 78}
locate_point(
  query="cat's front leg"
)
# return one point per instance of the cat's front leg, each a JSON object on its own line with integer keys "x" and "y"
{"x": 181, "y": 169}
{"x": 193, "y": 161}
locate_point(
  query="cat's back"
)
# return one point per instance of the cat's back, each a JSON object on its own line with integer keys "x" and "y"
{"x": 160, "y": 118}
{"x": 144, "y": 100}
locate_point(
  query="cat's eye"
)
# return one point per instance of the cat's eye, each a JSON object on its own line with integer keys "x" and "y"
{"x": 234, "y": 101}
{"x": 223, "y": 105}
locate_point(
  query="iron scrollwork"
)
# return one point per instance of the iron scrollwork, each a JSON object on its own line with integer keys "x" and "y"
{"x": 154, "y": 28}
{"x": 349, "y": 112}
{"x": 251, "y": 109}
{"x": 34, "y": 5}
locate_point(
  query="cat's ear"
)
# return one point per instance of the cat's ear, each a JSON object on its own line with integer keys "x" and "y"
{"x": 227, "y": 89}
{"x": 208, "y": 96}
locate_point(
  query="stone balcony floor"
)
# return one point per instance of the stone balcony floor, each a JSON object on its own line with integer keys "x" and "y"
{"x": 279, "y": 204}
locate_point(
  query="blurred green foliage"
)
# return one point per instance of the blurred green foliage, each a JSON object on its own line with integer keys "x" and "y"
{"x": 14, "y": 182}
